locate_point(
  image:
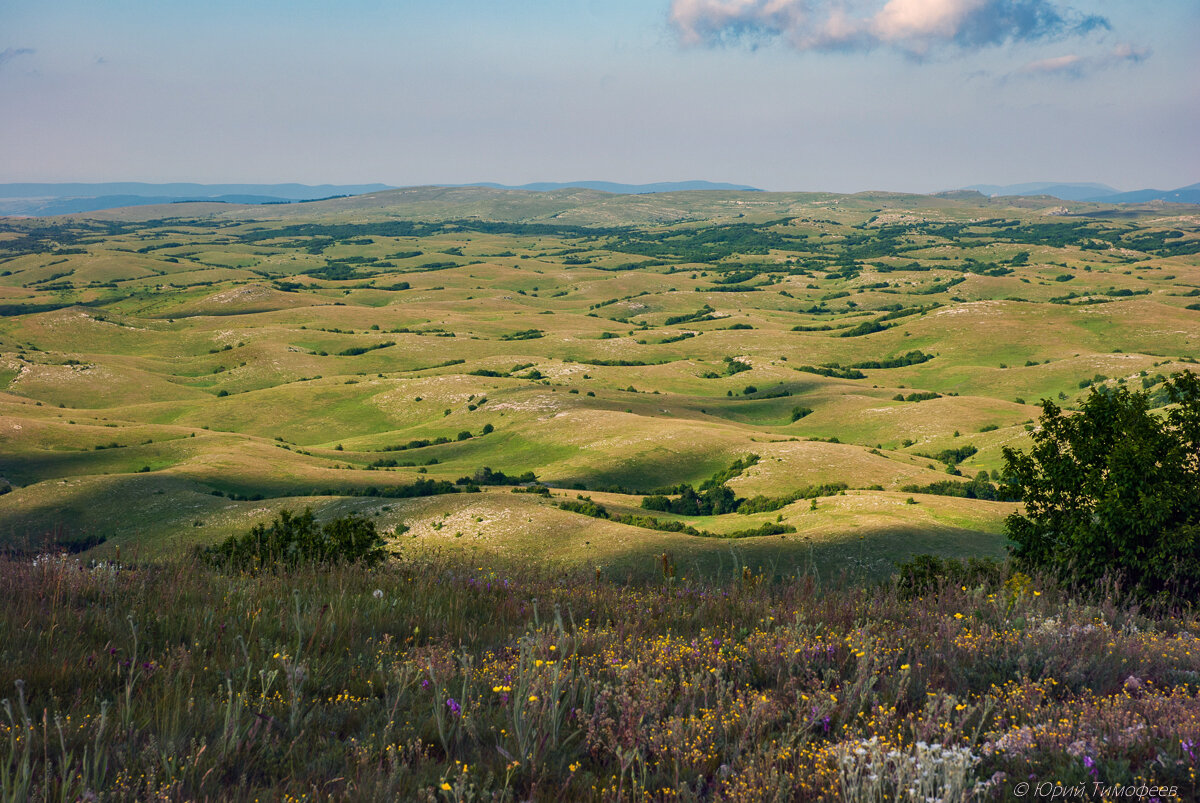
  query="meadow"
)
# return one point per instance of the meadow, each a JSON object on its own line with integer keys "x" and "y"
{"x": 432, "y": 679}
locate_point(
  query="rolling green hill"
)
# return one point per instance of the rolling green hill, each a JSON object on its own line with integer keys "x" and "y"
{"x": 169, "y": 375}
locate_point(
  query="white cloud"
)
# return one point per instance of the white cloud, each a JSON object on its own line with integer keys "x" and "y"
{"x": 913, "y": 26}
{"x": 1074, "y": 65}
{"x": 918, "y": 19}
{"x": 10, "y": 53}
{"x": 1053, "y": 65}
{"x": 701, "y": 21}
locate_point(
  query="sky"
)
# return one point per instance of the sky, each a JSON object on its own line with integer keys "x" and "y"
{"x": 831, "y": 95}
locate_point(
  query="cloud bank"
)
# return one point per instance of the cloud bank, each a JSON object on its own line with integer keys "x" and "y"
{"x": 916, "y": 27}
{"x": 1074, "y": 65}
{"x": 10, "y": 53}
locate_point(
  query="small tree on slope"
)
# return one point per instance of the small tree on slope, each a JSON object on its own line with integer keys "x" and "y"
{"x": 1114, "y": 491}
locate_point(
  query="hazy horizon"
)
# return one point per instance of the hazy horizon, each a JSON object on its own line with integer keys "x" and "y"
{"x": 789, "y": 95}
{"x": 226, "y": 187}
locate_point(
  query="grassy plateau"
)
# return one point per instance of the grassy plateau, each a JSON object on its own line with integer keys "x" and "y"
{"x": 647, "y": 464}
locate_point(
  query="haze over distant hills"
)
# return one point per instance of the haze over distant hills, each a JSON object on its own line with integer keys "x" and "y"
{"x": 1064, "y": 190}
{"x": 294, "y": 192}
{"x": 63, "y": 199}
{"x": 1184, "y": 195}
{"x": 619, "y": 189}
{"x": 46, "y": 199}
{"x": 1091, "y": 192}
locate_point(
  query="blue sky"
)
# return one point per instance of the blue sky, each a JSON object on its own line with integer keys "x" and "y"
{"x": 910, "y": 95}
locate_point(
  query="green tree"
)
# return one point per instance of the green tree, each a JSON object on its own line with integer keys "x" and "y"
{"x": 1114, "y": 490}
{"x": 291, "y": 540}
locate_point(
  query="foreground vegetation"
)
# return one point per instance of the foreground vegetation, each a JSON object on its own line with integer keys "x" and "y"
{"x": 434, "y": 679}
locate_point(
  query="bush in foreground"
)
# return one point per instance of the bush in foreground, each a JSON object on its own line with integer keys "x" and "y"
{"x": 1112, "y": 491}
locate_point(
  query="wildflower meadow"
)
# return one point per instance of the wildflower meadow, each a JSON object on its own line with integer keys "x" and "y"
{"x": 436, "y": 679}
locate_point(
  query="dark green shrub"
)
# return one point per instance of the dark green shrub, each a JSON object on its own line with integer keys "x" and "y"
{"x": 952, "y": 456}
{"x": 1112, "y": 492}
{"x": 712, "y": 502}
{"x": 292, "y": 540}
{"x": 485, "y": 476}
{"x": 585, "y": 506}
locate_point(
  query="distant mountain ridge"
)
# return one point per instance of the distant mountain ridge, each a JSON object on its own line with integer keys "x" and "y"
{"x": 617, "y": 188}
{"x": 188, "y": 191}
{"x": 45, "y": 207}
{"x": 1184, "y": 195}
{"x": 1059, "y": 189}
{"x": 44, "y": 199}
{"x": 1101, "y": 193}
{"x": 72, "y": 198}
{"x": 47, "y": 199}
